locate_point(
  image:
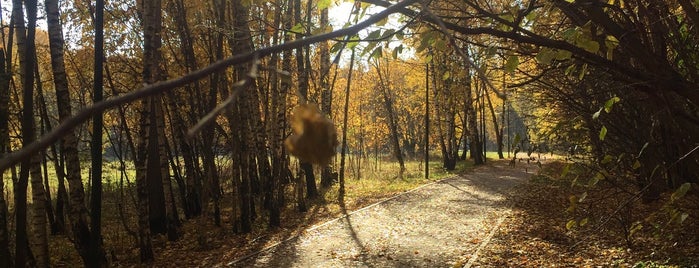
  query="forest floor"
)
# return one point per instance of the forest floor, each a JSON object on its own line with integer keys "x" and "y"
{"x": 441, "y": 224}
{"x": 489, "y": 216}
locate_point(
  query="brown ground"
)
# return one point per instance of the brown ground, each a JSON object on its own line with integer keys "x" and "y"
{"x": 437, "y": 225}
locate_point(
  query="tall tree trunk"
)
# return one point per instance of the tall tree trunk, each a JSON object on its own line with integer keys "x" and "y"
{"x": 307, "y": 168}
{"x": 45, "y": 126}
{"x": 249, "y": 119}
{"x": 392, "y": 120}
{"x": 39, "y": 235}
{"x": 25, "y": 48}
{"x": 326, "y": 96}
{"x": 69, "y": 142}
{"x": 193, "y": 181}
{"x": 498, "y": 131}
{"x": 5, "y": 74}
{"x": 97, "y": 257}
{"x": 476, "y": 146}
{"x": 341, "y": 193}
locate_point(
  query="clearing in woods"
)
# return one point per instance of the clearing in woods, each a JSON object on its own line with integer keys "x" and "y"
{"x": 440, "y": 224}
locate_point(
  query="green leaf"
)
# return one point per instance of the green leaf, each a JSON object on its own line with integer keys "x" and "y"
{"x": 382, "y": 22}
{"x": 594, "y": 180}
{"x": 596, "y": 114}
{"x": 511, "y": 64}
{"x": 565, "y": 171}
{"x": 298, "y": 28}
{"x": 374, "y": 35}
{"x": 610, "y": 103}
{"x": 570, "y": 69}
{"x": 583, "y": 71}
{"x": 563, "y": 55}
{"x": 570, "y": 224}
{"x": 323, "y": 4}
{"x": 681, "y": 191}
{"x": 602, "y": 133}
{"x": 353, "y": 42}
{"x": 545, "y": 56}
{"x": 635, "y": 227}
{"x": 533, "y": 14}
{"x": 446, "y": 75}
{"x": 336, "y": 47}
{"x": 607, "y": 159}
{"x": 388, "y": 33}
{"x": 590, "y": 45}
{"x": 636, "y": 165}
{"x": 440, "y": 45}
{"x": 584, "y": 222}
{"x": 377, "y": 53}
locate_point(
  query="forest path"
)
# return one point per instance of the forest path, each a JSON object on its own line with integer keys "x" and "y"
{"x": 441, "y": 224}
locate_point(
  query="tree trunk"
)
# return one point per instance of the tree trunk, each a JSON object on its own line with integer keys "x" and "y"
{"x": 192, "y": 179}
{"x": 39, "y": 236}
{"x": 97, "y": 257}
{"x": 392, "y": 120}
{"x": 311, "y": 189}
{"x": 326, "y": 176}
{"x": 341, "y": 193}
{"x": 5, "y": 74}
{"x": 25, "y": 49}
{"x": 498, "y": 130}
{"x": 69, "y": 142}
{"x": 476, "y": 146}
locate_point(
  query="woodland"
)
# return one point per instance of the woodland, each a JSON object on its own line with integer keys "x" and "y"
{"x": 127, "y": 126}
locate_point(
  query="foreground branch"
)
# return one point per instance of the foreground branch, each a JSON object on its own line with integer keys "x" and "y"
{"x": 160, "y": 87}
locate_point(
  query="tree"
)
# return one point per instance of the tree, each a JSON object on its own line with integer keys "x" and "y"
{"x": 69, "y": 142}
{"x": 5, "y": 75}
{"x": 384, "y": 85}
{"x": 96, "y": 255}
{"x": 303, "y": 80}
{"x": 326, "y": 96}
{"x": 25, "y": 48}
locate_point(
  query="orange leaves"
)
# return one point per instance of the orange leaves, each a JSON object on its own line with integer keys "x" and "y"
{"x": 314, "y": 137}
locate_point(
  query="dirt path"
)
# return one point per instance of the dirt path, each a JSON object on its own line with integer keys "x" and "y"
{"x": 438, "y": 225}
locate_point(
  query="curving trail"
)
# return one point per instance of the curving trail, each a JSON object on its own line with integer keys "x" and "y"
{"x": 443, "y": 224}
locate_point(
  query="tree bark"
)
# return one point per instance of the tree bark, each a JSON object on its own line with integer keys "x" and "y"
{"x": 25, "y": 49}
{"x": 69, "y": 142}
{"x": 5, "y": 75}
{"x": 392, "y": 120}
{"x": 498, "y": 131}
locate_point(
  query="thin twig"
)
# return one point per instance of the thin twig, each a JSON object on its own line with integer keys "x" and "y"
{"x": 237, "y": 88}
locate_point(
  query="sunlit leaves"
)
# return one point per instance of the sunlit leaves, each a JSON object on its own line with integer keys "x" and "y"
{"x": 511, "y": 64}
{"x": 323, "y": 4}
{"x": 298, "y": 28}
{"x": 446, "y": 75}
{"x": 610, "y": 103}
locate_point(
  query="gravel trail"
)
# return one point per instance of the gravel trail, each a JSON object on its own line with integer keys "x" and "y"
{"x": 437, "y": 225}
